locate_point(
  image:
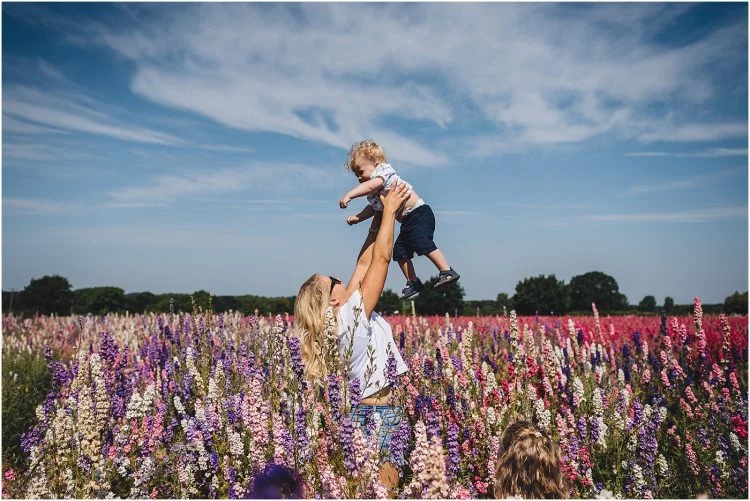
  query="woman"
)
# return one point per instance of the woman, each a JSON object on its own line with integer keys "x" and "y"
{"x": 361, "y": 331}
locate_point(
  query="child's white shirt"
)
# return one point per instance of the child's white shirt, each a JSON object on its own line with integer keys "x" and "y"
{"x": 390, "y": 178}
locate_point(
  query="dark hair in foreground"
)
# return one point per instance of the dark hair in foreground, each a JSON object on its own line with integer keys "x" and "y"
{"x": 277, "y": 482}
{"x": 529, "y": 465}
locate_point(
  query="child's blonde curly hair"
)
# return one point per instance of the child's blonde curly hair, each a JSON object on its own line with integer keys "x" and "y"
{"x": 529, "y": 465}
{"x": 368, "y": 149}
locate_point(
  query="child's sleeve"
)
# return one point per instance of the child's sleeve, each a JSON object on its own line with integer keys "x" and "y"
{"x": 385, "y": 171}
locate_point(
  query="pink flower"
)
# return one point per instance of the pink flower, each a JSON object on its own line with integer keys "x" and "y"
{"x": 692, "y": 459}
{"x": 646, "y": 376}
{"x": 10, "y": 475}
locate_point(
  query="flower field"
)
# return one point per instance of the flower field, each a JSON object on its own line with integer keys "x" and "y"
{"x": 178, "y": 405}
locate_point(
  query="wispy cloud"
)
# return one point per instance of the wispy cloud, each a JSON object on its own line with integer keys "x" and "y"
{"x": 268, "y": 177}
{"x": 697, "y": 132}
{"x": 76, "y": 113}
{"x": 41, "y": 152}
{"x": 696, "y": 216}
{"x": 226, "y": 148}
{"x": 692, "y": 182}
{"x": 33, "y": 206}
{"x": 710, "y": 153}
{"x": 455, "y": 212}
{"x": 559, "y": 73}
{"x": 519, "y": 205}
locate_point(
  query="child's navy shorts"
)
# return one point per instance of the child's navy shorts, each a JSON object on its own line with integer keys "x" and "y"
{"x": 417, "y": 230}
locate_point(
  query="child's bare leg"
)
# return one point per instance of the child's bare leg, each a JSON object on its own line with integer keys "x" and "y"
{"x": 438, "y": 260}
{"x": 407, "y": 268}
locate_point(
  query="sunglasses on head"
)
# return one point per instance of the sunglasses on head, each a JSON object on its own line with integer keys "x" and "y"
{"x": 334, "y": 281}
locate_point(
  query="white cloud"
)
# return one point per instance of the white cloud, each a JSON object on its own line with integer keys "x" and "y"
{"x": 548, "y": 206}
{"x": 268, "y": 177}
{"x": 692, "y": 182}
{"x": 36, "y": 206}
{"x": 12, "y": 125}
{"x": 696, "y": 216}
{"x": 540, "y": 74}
{"x": 41, "y": 152}
{"x": 226, "y": 148}
{"x": 74, "y": 112}
{"x": 710, "y": 153}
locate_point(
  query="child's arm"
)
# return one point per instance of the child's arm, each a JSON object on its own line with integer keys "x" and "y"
{"x": 361, "y": 190}
{"x": 366, "y": 214}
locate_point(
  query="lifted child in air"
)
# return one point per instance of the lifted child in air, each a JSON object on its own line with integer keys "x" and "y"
{"x": 368, "y": 162}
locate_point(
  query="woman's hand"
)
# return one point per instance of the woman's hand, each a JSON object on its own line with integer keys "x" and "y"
{"x": 352, "y": 220}
{"x": 395, "y": 198}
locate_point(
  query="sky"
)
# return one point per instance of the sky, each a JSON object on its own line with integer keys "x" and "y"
{"x": 178, "y": 147}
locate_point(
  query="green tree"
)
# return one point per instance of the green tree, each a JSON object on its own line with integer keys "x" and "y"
{"x": 139, "y": 302}
{"x": 99, "y": 300}
{"x": 668, "y": 304}
{"x": 503, "y": 303}
{"x": 648, "y": 303}
{"x": 736, "y": 303}
{"x": 596, "y": 287}
{"x": 388, "y": 302}
{"x": 542, "y": 294}
{"x": 49, "y": 294}
{"x": 447, "y": 299}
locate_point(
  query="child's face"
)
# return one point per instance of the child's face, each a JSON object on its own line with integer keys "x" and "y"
{"x": 363, "y": 168}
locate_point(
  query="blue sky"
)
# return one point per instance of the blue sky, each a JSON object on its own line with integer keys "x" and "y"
{"x": 177, "y": 147}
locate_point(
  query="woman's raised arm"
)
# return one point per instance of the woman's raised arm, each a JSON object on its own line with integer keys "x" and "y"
{"x": 374, "y": 279}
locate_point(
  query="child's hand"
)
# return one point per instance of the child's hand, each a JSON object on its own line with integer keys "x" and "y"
{"x": 344, "y": 201}
{"x": 352, "y": 220}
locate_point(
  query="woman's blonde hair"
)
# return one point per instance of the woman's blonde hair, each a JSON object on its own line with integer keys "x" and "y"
{"x": 368, "y": 149}
{"x": 310, "y": 324}
{"x": 529, "y": 465}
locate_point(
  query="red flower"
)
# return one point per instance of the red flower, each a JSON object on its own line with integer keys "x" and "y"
{"x": 740, "y": 426}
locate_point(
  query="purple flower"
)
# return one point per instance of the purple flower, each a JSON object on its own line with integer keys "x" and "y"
{"x": 354, "y": 392}
{"x": 399, "y": 442}
{"x": 433, "y": 425}
{"x": 347, "y": 443}
{"x": 453, "y": 454}
{"x": 334, "y": 396}
{"x": 391, "y": 371}
{"x": 582, "y": 428}
{"x": 594, "y": 429}
{"x": 296, "y": 355}
{"x": 301, "y": 431}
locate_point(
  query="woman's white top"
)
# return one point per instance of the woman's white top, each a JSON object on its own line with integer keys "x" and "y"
{"x": 359, "y": 333}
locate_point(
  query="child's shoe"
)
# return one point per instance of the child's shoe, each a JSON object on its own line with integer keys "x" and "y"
{"x": 412, "y": 289}
{"x": 445, "y": 278}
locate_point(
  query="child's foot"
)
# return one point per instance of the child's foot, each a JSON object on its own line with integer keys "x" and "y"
{"x": 412, "y": 289}
{"x": 445, "y": 278}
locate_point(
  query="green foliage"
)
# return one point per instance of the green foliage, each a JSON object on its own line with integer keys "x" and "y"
{"x": 389, "y": 302}
{"x": 668, "y": 304}
{"x": 26, "y": 383}
{"x": 648, "y": 303}
{"x": 46, "y": 295}
{"x": 596, "y": 287}
{"x": 99, "y": 300}
{"x": 482, "y": 306}
{"x": 736, "y": 303}
{"x": 139, "y": 302}
{"x": 542, "y": 294}
{"x": 503, "y": 303}
{"x": 447, "y": 299}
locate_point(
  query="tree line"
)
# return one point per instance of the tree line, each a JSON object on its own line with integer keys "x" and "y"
{"x": 539, "y": 295}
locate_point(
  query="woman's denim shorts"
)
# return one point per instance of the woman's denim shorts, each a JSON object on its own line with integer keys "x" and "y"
{"x": 390, "y": 417}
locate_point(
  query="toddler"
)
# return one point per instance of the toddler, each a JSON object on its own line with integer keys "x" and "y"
{"x": 368, "y": 162}
{"x": 529, "y": 465}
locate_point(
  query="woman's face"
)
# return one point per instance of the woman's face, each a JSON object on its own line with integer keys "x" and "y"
{"x": 335, "y": 287}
